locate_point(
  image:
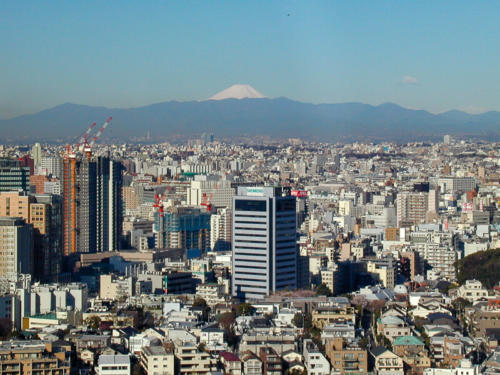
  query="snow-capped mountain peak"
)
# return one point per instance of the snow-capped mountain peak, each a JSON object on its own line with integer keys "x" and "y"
{"x": 237, "y": 92}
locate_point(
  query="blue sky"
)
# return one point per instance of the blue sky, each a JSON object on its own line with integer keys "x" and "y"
{"x": 434, "y": 55}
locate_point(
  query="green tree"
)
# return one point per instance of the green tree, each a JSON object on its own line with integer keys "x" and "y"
{"x": 363, "y": 342}
{"x": 460, "y": 304}
{"x": 298, "y": 320}
{"x": 201, "y": 303}
{"x": 323, "y": 290}
{"x": 245, "y": 309}
{"x": 93, "y": 322}
{"x": 202, "y": 347}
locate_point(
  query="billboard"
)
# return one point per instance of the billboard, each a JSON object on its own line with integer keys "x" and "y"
{"x": 299, "y": 193}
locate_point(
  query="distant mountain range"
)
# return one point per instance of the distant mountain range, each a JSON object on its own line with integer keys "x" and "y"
{"x": 278, "y": 118}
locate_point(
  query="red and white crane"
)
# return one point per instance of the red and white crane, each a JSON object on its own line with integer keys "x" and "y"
{"x": 98, "y": 134}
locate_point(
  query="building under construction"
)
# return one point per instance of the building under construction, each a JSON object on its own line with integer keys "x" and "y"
{"x": 92, "y": 200}
{"x": 185, "y": 228}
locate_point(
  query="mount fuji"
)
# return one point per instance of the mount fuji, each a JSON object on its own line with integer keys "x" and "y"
{"x": 238, "y": 92}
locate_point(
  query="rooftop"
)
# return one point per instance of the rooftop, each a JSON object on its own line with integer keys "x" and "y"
{"x": 407, "y": 340}
{"x": 119, "y": 359}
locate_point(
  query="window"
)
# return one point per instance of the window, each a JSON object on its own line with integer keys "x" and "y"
{"x": 250, "y": 205}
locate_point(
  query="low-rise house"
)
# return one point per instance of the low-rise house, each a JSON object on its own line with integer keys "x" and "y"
{"x": 231, "y": 363}
{"x": 87, "y": 356}
{"x": 271, "y": 361}
{"x": 393, "y": 326}
{"x": 412, "y": 350}
{"x": 423, "y": 310}
{"x": 386, "y": 362}
{"x": 113, "y": 365}
{"x": 252, "y": 365}
{"x": 94, "y": 342}
{"x": 279, "y": 341}
{"x": 213, "y": 338}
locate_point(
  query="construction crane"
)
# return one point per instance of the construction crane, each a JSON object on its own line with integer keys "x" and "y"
{"x": 158, "y": 205}
{"x": 205, "y": 201}
{"x": 84, "y": 137}
{"x": 83, "y": 144}
{"x": 98, "y": 134}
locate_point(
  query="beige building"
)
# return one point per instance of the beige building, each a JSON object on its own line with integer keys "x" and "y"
{"x": 114, "y": 288}
{"x": 212, "y": 293}
{"x": 130, "y": 197}
{"x": 193, "y": 361}
{"x": 412, "y": 207}
{"x": 157, "y": 360}
{"x": 323, "y": 316}
{"x": 385, "y": 274}
{"x": 34, "y": 357}
{"x": 346, "y": 359}
{"x": 15, "y": 204}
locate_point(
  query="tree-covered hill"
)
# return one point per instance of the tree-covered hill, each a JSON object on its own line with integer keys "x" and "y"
{"x": 483, "y": 266}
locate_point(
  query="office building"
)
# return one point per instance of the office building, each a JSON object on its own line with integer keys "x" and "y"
{"x": 13, "y": 176}
{"x": 263, "y": 242}
{"x": 16, "y": 247}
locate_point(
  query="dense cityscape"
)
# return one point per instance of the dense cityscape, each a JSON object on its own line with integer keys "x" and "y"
{"x": 275, "y": 258}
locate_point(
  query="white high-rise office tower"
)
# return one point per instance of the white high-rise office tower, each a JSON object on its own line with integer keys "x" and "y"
{"x": 263, "y": 242}
{"x": 36, "y": 153}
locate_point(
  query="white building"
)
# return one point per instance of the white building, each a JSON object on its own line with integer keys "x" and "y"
{"x": 472, "y": 291}
{"x": 465, "y": 368}
{"x": 113, "y": 365}
{"x": 314, "y": 360}
{"x": 220, "y": 230}
{"x": 218, "y": 192}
